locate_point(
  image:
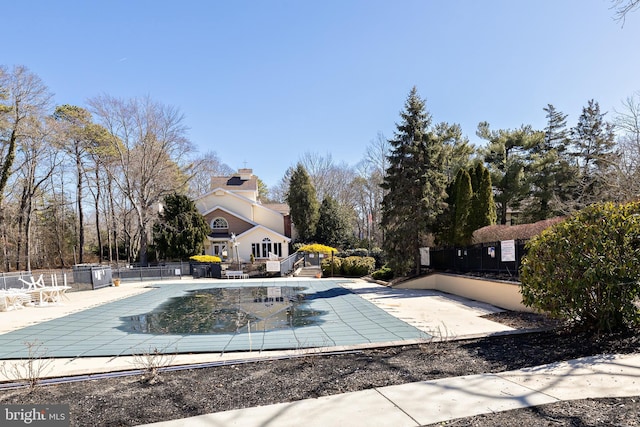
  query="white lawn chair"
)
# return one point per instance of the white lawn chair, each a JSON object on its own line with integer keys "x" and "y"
{"x": 43, "y": 293}
{"x": 13, "y": 299}
{"x": 33, "y": 284}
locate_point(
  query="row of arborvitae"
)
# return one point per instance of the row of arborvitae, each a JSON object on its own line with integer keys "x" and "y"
{"x": 586, "y": 269}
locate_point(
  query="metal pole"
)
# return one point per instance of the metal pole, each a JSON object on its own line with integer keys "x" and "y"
{"x": 331, "y": 263}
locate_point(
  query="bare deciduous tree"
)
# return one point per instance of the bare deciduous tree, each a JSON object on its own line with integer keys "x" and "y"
{"x": 371, "y": 173}
{"x": 334, "y": 180}
{"x": 278, "y": 192}
{"x": 38, "y": 160}
{"x": 624, "y": 7}
{"x": 152, "y": 154}
{"x": 205, "y": 167}
{"x": 627, "y": 122}
{"x": 22, "y": 96}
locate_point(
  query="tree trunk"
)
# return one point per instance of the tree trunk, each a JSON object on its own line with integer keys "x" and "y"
{"x": 97, "y": 207}
{"x": 503, "y": 213}
{"x": 143, "y": 240}
{"x": 19, "y": 236}
{"x": 27, "y": 235}
{"x": 5, "y": 241}
{"x": 80, "y": 209}
{"x": 112, "y": 224}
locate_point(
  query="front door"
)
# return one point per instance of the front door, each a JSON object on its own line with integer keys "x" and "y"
{"x": 220, "y": 250}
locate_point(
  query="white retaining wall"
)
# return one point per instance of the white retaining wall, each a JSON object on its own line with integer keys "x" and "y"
{"x": 499, "y": 293}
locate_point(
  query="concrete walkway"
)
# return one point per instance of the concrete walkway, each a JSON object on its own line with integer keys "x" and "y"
{"x": 428, "y": 402}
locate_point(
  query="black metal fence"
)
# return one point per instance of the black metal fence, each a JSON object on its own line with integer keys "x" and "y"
{"x": 495, "y": 257}
{"x": 49, "y": 277}
{"x": 161, "y": 272}
{"x": 98, "y": 276}
{"x": 12, "y": 280}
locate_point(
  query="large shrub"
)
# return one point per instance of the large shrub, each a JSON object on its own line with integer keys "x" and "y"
{"x": 379, "y": 256}
{"x": 356, "y": 266}
{"x": 586, "y": 269}
{"x": 206, "y": 258}
{"x": 317, "y": 248}
{"x": 329, "y": 270}
{"x": 355, "y": 252}
{"x": 385, "y": 273}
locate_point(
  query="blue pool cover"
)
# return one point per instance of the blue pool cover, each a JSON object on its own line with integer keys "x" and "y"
{"x": 347, "y": 320}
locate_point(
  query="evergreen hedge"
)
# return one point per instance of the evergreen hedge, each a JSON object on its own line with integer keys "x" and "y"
{"x": 357, "y": 266}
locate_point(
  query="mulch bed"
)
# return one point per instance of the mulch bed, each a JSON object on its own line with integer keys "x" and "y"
{"x": 135, "y": 400}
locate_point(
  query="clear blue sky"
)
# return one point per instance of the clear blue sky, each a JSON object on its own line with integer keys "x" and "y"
{"x": 265, "y": 81}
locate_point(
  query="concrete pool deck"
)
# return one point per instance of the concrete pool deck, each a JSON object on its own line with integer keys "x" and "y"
{"x": 432, "y": 312}
{"x": 86, "y": 321}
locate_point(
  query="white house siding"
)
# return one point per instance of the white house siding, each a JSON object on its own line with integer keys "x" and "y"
{"x": 256, "y": 236}
{"x": 239, "y": 205}
{"x": 268, "y": 218}
{"x": 251, "y": 222}
{"x": 251, "y": 195}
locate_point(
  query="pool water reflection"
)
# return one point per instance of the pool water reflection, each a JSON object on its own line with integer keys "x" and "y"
{"x": 228, "y": 310}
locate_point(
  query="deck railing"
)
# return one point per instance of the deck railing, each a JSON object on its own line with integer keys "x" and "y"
{"x": 289, "y": 264}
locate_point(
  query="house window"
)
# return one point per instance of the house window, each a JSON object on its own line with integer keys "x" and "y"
{"x": 261, "y": 250}
{"x": 266, "y": 247}
{"x": 219, "y": 224}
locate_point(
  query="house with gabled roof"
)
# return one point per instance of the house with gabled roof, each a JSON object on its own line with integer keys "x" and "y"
{"x": 240, "y": 225}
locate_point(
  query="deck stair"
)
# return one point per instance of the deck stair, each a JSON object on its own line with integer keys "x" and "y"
{"x": 310, "y": 271}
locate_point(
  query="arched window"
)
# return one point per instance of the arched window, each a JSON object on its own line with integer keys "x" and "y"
{"x": 219, "y": 224}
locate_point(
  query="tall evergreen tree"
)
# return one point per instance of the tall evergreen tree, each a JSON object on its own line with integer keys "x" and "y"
{"x": 506, "y": 160}
{"x": 479, "y": 209}
{"x": 475, "y": 174}
{"x": 594, "y": 149}
{"x": 332, "y": 228}
{"x": 445, "y": 224}
{"x": 415, "y": 184}
{"x": 303, "y": 204}
{"x": 180, "y": 230}
{"x": 550, "y": 172}
{"x": 462, "y": 229}
{"x": 457, "y": 150}
{"x": 457, "y": 155}
{"x": 483, "y": 208}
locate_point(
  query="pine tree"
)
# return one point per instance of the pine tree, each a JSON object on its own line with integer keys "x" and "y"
{"x": 332, "y": 228}
{"x": 550, "y": 172}
{"x": 594, "y": 148}
{"x": 303, "y": 204}
{"x": 506, "y": 160}
{"x": 181, "y": 229}
{"x": 415, "y": 184}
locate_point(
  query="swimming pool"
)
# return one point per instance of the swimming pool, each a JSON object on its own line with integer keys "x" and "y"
{"x": 339, "y": 318}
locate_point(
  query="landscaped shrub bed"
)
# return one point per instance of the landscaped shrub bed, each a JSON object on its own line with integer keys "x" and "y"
{"x": 351, "y": 266}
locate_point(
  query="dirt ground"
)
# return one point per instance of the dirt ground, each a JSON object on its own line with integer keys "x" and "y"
{"x": 135, "y": 400}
